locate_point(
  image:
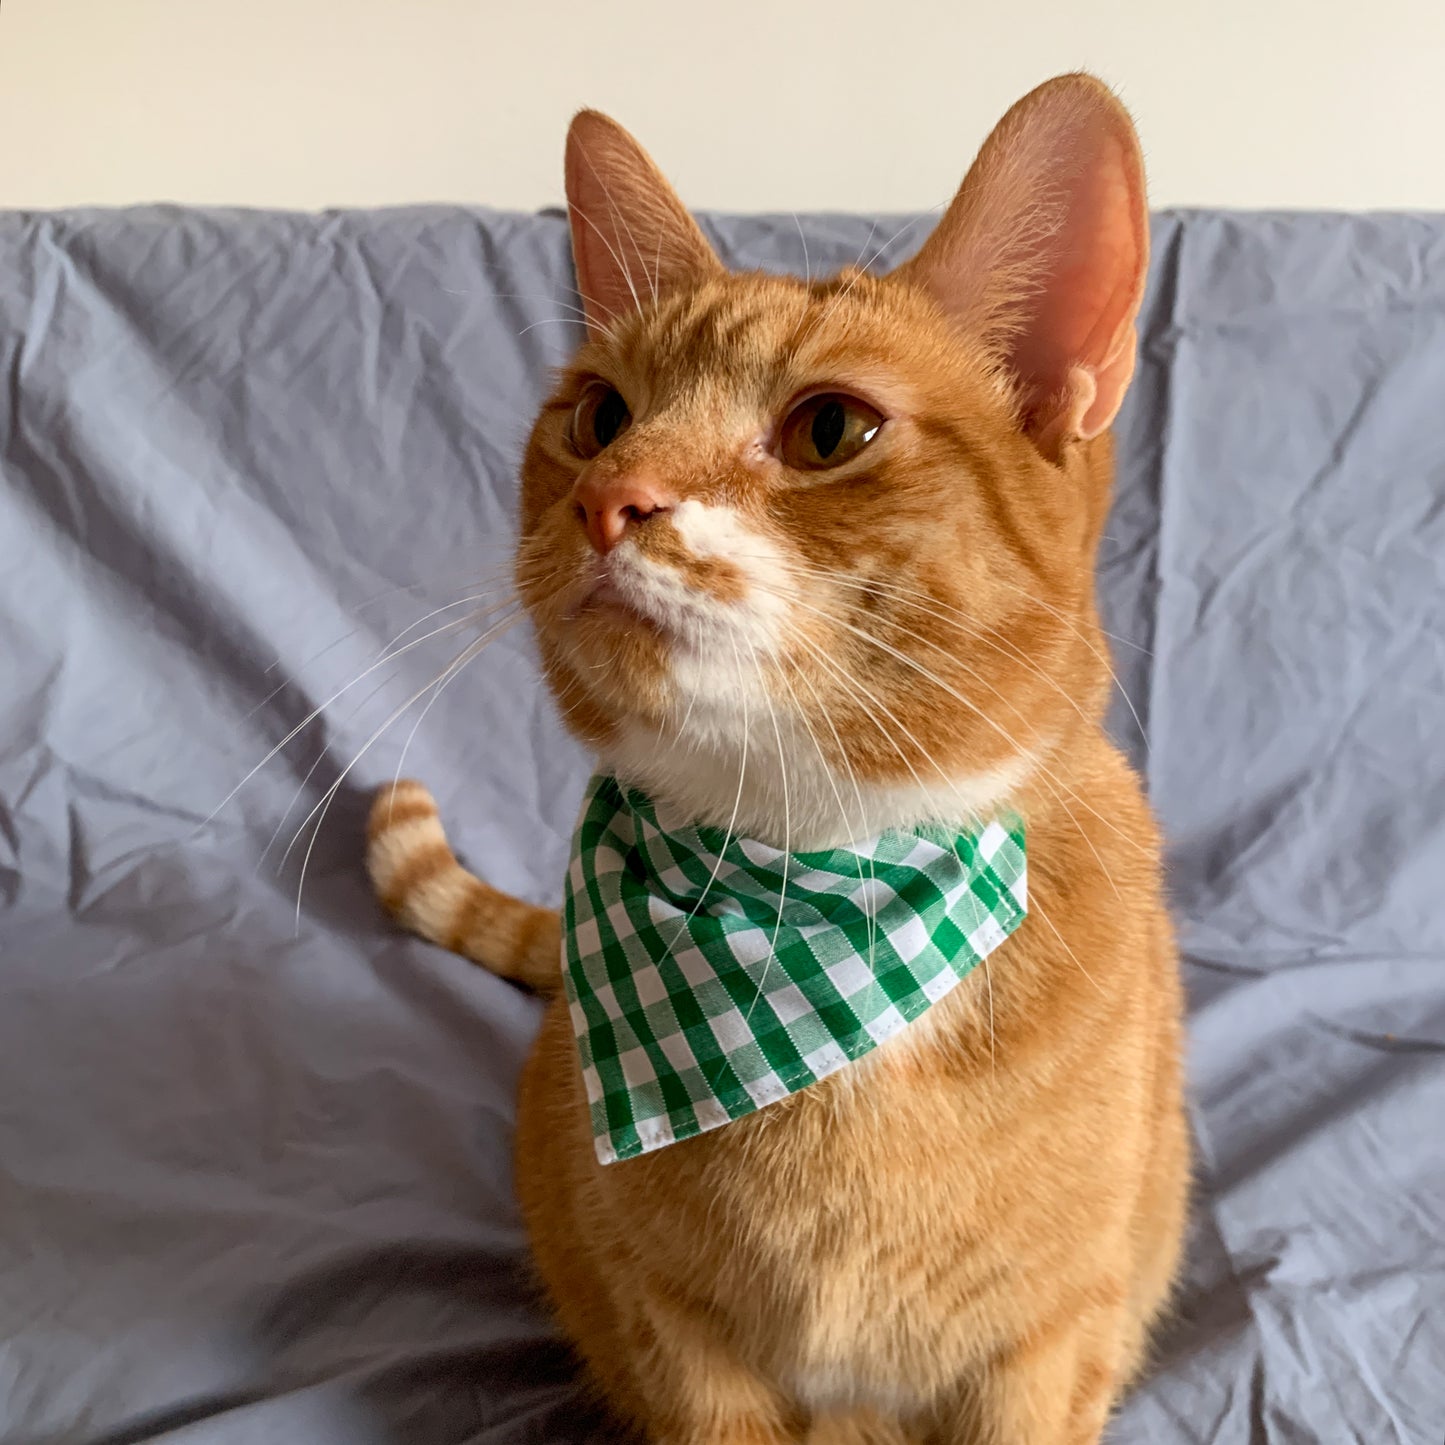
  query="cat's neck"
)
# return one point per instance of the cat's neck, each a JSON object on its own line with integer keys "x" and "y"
{"x": 780, "y": 790}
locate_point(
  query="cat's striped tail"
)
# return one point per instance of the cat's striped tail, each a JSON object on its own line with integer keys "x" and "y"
{"x": 420, "y": 883}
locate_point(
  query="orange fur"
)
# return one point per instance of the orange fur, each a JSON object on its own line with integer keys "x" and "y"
{"x": 967, "y": 1236}
{"x": 418, "y": 879}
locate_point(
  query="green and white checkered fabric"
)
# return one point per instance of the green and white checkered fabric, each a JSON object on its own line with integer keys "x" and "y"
{"x": 709, "y": 976}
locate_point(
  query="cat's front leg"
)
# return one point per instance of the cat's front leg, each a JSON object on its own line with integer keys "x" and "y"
{"x": 698, "y": 1392}
{"x": 1056, "y": 1388}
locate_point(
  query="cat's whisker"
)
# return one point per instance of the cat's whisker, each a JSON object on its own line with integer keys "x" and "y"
{"x": 787, "y": 833}
{"x": 728, "y": 833}
{"x": 622, "y": 265}
{"x": 849, "y": 831}
{"x": 1068, "y": 621}
{"x": 923, "y": 602}
{"x": 322, "y": 807}
{"x": 506, "y": 601}
{"x": 1045, "y": 775}
{"x": 306, "y": 665}
{"x": 903, "y": 657}
{"x": 619, "y": 215}
{"x": 317, "y": 712}
{"x": 807, "y": 265}
{"x": 859, "y": 273}
{"x": 316, "y": 657}
{"x": 579, "y": 315}
{"x": 988, "y": 977}
{"x": 320, "y": 758}
{"x": 867, "y": 241}
{"x": 794, "y": 340}
{"x": 805, "y": 301}
{"x": 550, "y": 297}
{"x": 550, "y": 321}
{"x": 959, "y": 620}
{"x": 324, "y": 803}
{"x": 445, "y": 681}
{"x": 737, "y": 804}
{"x": 613, "y": 317}
{"x": 566, "y": 712}
{"x": 471, "y": 581}
{"x": 992, "y": 1047}
{"x": 806, "y": 298}
{"x": 1104, "y": 661}
{"x": 552, "y": 301}
{"x": 864, "y": 696}
{"x": 534, "y": 578}
{"x": 687, "y": 715}
{"x": 929, "y": 675}
{"x": 1036, "y": 907}
{"x": 1038, "y": 601}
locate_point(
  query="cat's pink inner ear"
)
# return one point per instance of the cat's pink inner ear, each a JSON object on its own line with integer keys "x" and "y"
{"x": 632, "y": 238}
{"x": 1044, "y": 252}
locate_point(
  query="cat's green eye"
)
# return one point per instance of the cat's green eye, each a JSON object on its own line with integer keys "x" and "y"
{"x": 827, "y": 430}
{"x": 599, "y": 419}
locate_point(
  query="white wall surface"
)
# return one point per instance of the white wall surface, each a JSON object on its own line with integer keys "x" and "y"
{"x": 748, "y": 104}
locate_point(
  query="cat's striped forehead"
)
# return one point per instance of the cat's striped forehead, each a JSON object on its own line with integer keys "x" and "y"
{"x": 742, "y": 328}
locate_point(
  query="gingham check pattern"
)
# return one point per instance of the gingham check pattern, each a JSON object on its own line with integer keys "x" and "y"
{"x": 689, "y": 1016}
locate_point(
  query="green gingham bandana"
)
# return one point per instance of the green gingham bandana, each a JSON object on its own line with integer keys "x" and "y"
{"x": 708, "y": 976}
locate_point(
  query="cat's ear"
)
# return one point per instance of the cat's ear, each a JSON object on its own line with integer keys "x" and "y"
{"x": 1043, "y": 254}
{"x": 632, "y": 239}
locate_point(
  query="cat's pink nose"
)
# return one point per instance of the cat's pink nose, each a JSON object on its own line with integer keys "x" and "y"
{"x": 608, "y": 505}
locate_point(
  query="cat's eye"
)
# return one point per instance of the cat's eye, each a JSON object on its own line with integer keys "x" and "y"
{"x": 828, "y": 430}
{"x": 599, "y": 419}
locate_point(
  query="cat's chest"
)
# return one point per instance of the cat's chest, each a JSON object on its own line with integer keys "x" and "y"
{"x": 874, "y": 1279}
{"x": 854, "y": 1235}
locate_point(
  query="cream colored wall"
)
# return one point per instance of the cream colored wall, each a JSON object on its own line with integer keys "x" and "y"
{"x": 748, "y": 104}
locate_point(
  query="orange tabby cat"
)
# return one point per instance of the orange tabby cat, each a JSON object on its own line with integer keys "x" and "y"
{"x": 966, "y": 1235}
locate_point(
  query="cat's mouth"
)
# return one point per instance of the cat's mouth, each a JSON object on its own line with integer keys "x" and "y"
{"x": 625, "y": 591}
{"x": 688, "y": 594}
{"x": 603, "y": 599}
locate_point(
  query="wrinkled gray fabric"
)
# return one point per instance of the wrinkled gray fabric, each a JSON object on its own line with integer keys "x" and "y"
{"x": 254, "y": 1162}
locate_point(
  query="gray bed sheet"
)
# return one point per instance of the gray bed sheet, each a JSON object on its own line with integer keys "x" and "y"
{"x": 254, "y": 1145}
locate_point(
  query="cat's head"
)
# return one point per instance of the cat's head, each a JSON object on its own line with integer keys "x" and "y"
{"x": 817, "y": 558}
